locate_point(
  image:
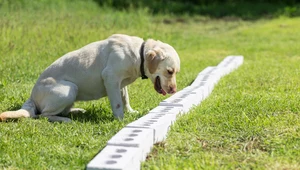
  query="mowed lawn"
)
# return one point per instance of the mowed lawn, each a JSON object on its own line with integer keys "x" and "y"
{"x": 250, "y": 121}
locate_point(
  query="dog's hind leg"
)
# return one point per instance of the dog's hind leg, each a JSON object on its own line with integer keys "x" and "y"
{"x": 28, "y": 110}
{"x": 54, "y": 98}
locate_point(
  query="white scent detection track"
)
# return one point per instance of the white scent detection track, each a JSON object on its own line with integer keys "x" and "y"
{"x": 159, "y": 122}
{"x": 130, "y": 146}
{"x": 231, "y": 63}
{"x": 183, "y": 99}
{"x": 116, "y": 157}
{"x": 141, "y": 138}
{"x": 210, "y": 74}
{"x": 167, "y": 110}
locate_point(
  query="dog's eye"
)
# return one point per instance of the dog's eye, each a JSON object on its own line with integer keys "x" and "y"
{"x": 170, "y": 72}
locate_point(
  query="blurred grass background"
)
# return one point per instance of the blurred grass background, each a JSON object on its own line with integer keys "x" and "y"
{"x": 245, "y": 9}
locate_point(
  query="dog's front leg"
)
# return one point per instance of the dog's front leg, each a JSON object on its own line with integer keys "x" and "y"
{"x": 112, "y": 85}
{"x": 125, "y": 98}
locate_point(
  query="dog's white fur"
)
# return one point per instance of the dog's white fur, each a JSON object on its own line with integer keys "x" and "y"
{"x": 99, "y": 69}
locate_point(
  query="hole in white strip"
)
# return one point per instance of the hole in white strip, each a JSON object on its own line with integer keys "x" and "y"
{"x": 116, "y": 156}
{"x": 121, "y": 150}
{"x": 137, "y": 131}
{"x": 128, "y": 139}
{"x": 111, "y": 162}
{"x": 132, "y": 135}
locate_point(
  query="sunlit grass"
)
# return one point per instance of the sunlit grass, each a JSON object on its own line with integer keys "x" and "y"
{"x": 251, "y": 120}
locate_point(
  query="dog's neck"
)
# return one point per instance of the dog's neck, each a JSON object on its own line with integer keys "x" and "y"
{"x": 142, "y": 69}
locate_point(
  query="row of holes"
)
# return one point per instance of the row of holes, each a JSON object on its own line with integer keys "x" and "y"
{"x": 133, "y": 134}
{"x": 116, "y": 156}
{"x": 120, "y": 151}
{"x": 228, "y": 62}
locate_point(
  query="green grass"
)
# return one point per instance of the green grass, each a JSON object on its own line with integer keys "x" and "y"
{"x": 250, "y": 121}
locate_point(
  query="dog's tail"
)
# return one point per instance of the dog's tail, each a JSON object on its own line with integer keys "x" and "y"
{"x": 28, "y": 110}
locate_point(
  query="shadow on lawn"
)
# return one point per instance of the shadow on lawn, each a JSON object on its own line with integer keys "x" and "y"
{"x": 90, "y": 115}
{"x": 248, "y": 10}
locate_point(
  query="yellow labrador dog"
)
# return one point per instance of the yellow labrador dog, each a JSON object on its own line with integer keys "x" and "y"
{"x": 99, "y": 69}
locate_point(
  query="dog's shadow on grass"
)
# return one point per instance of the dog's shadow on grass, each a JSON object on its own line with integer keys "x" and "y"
{"x": 90, "y": 115}
{"x": 93, "y": 115}
{"x": 14, "y": 107}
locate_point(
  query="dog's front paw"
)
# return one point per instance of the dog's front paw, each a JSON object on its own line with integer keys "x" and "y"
{"x": 77, "y": 110}
{"x": 119, "y": 114}
{"x": 130, "y": 110}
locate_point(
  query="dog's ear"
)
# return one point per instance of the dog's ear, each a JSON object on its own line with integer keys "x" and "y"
{"x": 153, "y": 59}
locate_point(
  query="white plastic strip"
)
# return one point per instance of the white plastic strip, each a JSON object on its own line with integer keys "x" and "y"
{"x": 131, "y": 144}
{"x": 116, "y": 157}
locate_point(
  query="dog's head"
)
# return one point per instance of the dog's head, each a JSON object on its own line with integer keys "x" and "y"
{"x": 162, "y": 63}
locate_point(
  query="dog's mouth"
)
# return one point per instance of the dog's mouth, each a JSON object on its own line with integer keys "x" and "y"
{"x": 157, "y": 86}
